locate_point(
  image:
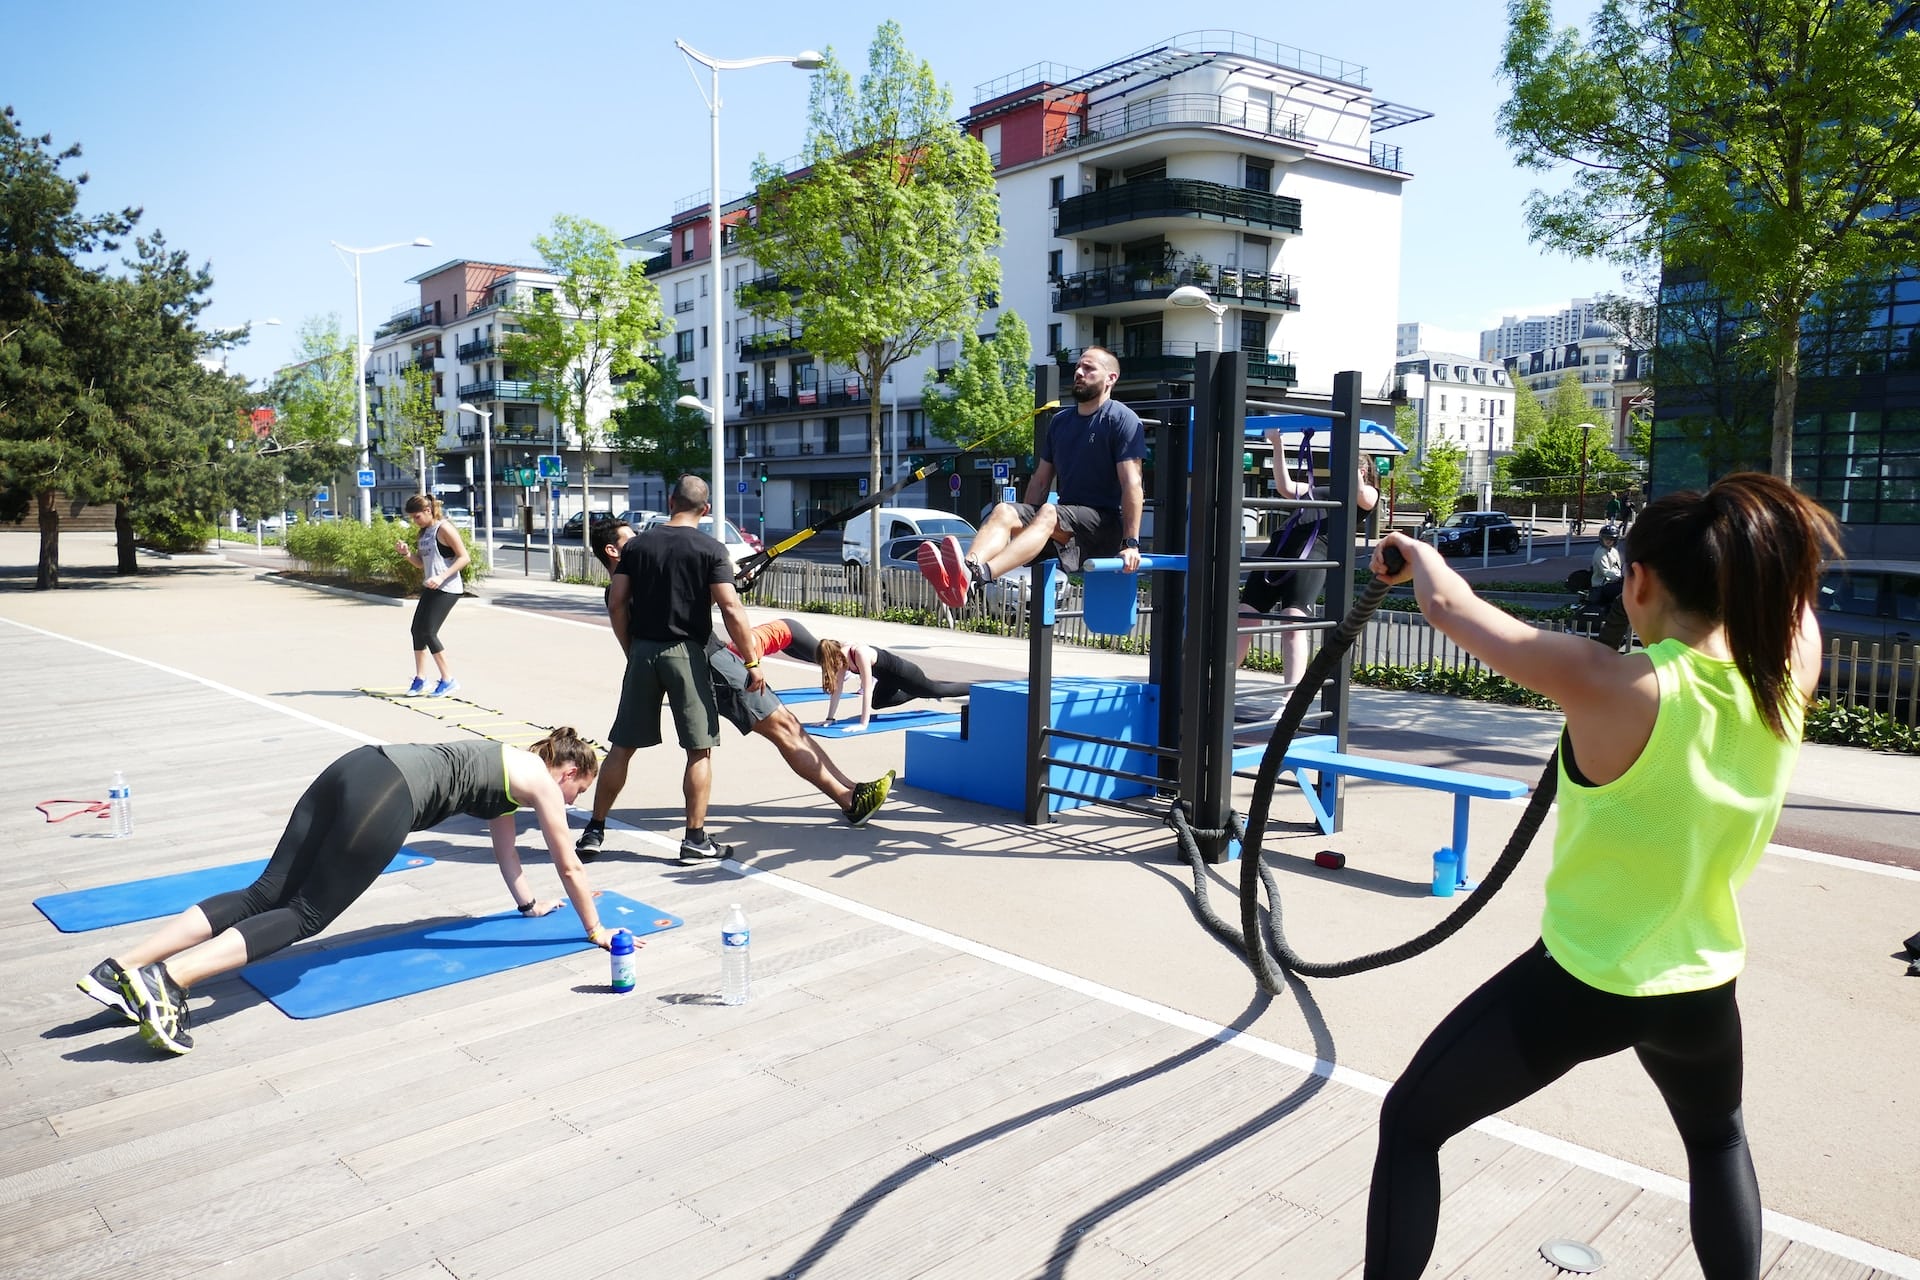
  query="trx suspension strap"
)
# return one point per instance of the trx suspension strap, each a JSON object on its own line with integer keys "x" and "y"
{"x": 1254, "y": 872}
{"x": 749, "y": 570}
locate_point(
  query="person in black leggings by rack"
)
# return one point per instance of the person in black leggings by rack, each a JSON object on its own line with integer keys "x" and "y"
{"x": 344, "y": 831}
{"x": 886, "y": 679}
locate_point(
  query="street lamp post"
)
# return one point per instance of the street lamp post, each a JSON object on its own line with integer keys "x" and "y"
{"x": 486, "y": 465}
{"x": 1192, "y": 296}
{"x": 806, "y": 61}
{"x": 360, "y": 354}
{"x": 1580, "y": 515}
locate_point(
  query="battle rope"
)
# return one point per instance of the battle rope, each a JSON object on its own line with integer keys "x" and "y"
{"x": 1247, "y": 938}
{"x": 748, "y": 571}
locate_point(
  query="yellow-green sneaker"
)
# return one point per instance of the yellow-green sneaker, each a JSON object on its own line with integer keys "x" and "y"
{"x": 868, "y": 797}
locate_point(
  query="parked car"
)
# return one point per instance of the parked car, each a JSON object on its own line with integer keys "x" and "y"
{"x": 578, "y": 521}
{"x": 1466, "y": 531}
{"x": 738, "y": 548}
{"x": 637, "y": 519}
{"x": 899, "y": 522}
{"x": 460, "y": 516}
{"x": 1871, "y": 602}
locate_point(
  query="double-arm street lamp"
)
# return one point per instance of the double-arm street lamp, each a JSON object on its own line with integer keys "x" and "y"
{"x": 806, "y": 61}
{"x": 486, "y": 463}
{"x": 360, "y": 353}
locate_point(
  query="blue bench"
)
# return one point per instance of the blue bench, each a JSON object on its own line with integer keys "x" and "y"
{"x": 1320, "y": 755}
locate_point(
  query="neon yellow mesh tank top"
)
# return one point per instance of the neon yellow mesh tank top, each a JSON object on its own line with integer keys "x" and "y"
{"x": 1640, "y": 899}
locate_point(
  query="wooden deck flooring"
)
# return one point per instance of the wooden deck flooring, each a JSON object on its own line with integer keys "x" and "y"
{"x": 887, "y": 1105}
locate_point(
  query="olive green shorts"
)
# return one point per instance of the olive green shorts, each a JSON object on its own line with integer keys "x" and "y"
{"x": 678, "y": 673}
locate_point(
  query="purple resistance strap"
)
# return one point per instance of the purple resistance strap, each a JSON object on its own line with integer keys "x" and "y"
{"x": 1300, "y": 517}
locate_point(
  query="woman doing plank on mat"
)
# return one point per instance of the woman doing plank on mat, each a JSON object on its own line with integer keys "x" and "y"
{"x": 1674, "y": 764}
{"x": 886, "y": 679}
{"x": 343, "y": 833}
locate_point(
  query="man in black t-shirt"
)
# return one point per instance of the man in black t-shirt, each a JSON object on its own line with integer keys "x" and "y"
{"x": 661, "y": 607}
{"x": 1097, "y": 449}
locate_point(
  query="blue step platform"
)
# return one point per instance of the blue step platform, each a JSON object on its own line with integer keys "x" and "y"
{"x": 989, "y": 764}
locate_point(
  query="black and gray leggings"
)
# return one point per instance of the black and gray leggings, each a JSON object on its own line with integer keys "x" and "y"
{"x": 343, "y": 833}
{"x": 1527, "y": 1027}
{"x": 432, "y": 610}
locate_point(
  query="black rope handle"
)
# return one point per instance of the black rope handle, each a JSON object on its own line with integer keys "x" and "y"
{"x": 1270, "y": 969}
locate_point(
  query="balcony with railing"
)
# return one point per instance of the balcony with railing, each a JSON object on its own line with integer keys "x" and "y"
{"x": 499, "y": 389}
{"x": 774, "y": 342}
{"x": 1382, "y": 155}
{"x": 1173, "y": 110}
{"x": 409, "y": 320}
{"x": 1167, "y": 204}
{"x": 1173, "y": 360}
{"x": 751, "y": 291}
{"x": 468, "y": 352}
{"x": 1127, "y": 289}
{"x": 658, "y": 262}
{"x": 835, "y": 393}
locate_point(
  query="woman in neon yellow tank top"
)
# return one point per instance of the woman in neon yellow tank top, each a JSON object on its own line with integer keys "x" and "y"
{"x": 1673, "y": 766}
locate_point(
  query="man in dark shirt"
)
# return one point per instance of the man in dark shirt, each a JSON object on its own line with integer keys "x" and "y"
{"x": 661, "y": 607}
{"x": 1096, "y": 448}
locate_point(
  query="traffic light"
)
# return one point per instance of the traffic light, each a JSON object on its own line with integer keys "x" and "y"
{"x": 763, "y": 473}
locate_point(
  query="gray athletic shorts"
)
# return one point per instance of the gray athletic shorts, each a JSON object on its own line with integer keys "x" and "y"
{"x": 1093, "y": 533}
{"x": 737, "y": 702}
{"x": 677, "y": 673}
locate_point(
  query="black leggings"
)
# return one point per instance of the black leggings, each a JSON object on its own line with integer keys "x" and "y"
{"x": 1528, "y": 1026}
{"x": 432, "y": 610}
{"x": 895, "y": 680}
{"x": 343, "y": 833}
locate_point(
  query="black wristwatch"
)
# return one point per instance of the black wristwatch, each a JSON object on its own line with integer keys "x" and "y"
{"x": 527, "y": 907}
{"x": 1129, "y": 544}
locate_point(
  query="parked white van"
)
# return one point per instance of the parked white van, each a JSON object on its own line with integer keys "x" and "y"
{"x": 898, "y": 522}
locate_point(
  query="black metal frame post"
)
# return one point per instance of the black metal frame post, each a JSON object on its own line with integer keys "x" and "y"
{"x": 1040, "y": 603}
{"x": 1343, "y": 484}
{"x": 1167, "y": 626}
{"x": 1202, "y": 566}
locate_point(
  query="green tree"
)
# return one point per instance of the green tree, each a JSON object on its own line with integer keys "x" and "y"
{"x": 1436, "y": 484}
{"x": 410, "y": 424}
{"x": 658, "y": 437}
{"x": 884, "y": 243}
{"x": 55, "y": 435}
{"x": 316, "y": 428}
{"x": 1767, "y": 148}
{"x": 988, "y": 394}
{"x": 1528, "y": 416}
{"x": 599, "y": 324}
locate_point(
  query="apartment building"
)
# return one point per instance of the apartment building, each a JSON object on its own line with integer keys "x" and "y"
{"x": 1517, "y": 335}
{"x": 1461, "y": 399}
{"x": 456, "y": 334}
{"x": 1612, "y": 375}
{"x": 1247, "y": 169}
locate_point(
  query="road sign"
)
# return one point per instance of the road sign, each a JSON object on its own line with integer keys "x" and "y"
{"x": 740, "y": 486}
{"x": 1006, "y": 494}
{"x": 365, "y": 476}
{"x": 550, "y": 467}
{"x": 953, "y": 484}
{"x": 321, "y": 496}
{"x": 863, "y": 486}
{"x": 1385, "y": 463}
{"x": 1002, "y": 472}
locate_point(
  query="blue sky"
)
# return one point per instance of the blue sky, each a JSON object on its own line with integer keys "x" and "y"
{"x": 252, "y": 134}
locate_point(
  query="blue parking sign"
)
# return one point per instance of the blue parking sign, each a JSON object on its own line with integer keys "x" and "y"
{"x": 321, "y": 496}
{"x": 365, "y": 475}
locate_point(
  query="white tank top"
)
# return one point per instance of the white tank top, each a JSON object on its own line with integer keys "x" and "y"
{"x": 434, "y": 562}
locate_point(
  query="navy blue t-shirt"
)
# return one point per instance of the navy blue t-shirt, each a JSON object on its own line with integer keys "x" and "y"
{"x": 1086, "y": 451}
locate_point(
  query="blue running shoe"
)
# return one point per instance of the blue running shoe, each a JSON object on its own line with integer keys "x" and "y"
{"x": 444, "y": 688}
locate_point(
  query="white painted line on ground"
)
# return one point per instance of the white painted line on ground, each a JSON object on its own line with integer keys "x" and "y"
{"x": 1894, "y": 1264}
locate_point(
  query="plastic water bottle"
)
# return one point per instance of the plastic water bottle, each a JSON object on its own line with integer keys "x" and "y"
{"x": 120, "y": 798}
{"x": 735, "y": 968}
{"x": 1446, "y": 873}
{"x": 621, "y": 946}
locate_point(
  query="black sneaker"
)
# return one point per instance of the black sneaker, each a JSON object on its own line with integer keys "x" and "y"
{"x": 868, "y": 797}
{"x": 164, "y": 1020}
{"x": 705, "y": 853}
{"x": 592, "y": 836}
{"x": 107, "y": 983}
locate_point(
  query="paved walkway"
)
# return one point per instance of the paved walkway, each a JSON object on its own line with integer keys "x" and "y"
{"x": 975, "y": 1049}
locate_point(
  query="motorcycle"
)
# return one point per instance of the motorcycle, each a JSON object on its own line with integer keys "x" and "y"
{"x": 1598, "y": 614}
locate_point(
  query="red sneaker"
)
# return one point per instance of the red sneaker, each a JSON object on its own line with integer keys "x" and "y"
{"x": 959, "y": 576}
{"x": 933, "y": 570}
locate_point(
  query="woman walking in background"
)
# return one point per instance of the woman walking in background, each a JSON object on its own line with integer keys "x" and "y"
{"x": 1674, "y": 764}
{"x": 440, "y": 555}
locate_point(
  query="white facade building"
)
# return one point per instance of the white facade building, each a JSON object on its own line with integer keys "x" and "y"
{"x": 1246, "y": 168}
{"x": 1467, "y": 401}
{"x": 1612, "y": 376}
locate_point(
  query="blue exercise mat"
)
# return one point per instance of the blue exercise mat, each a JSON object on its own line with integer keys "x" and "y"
{"x": 312, "y": 981}
{"x": 883, "y": 722}
{"x": 81, "y": 909}
{"x": 791, "y": 696}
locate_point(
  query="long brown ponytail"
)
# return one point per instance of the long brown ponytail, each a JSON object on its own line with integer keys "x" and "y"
{"x": 1745, "y": 554}
{"x": 564, "y": 746}
{"x": 833, "y": 664}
